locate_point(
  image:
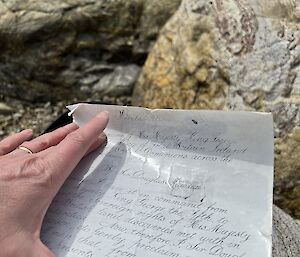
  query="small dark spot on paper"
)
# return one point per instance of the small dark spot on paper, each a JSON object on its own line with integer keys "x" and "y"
{"x": 195, "y": 122}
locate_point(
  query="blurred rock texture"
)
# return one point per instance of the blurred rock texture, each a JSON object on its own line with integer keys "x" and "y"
{"x": 286, "y": 235}
{"x": 218, "y": 54}
{"x": 54, "y": 50}
{"x": 234, "y": 54}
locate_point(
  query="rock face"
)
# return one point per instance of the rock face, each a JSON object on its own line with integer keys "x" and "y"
{"x": 286, "y": 235}
{"x": 61, "y": 49}
{"x": 234, "y": 54}
{"x": 119, "y": 82}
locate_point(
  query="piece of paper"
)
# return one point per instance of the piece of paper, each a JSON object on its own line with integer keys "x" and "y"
{"x": 169, "y": 183}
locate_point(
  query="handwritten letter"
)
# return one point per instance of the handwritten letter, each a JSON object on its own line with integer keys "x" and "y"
{"x": 168, "y": 184}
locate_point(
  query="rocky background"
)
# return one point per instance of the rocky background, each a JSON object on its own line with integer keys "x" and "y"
{"x": 191, "y": 54}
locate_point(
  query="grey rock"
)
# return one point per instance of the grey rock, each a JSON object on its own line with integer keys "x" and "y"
{"x": 286, "y": 235}
{"x": 89, "y": 79}
{"x": 52, "y": 50}
{"x": 119, "y": 82}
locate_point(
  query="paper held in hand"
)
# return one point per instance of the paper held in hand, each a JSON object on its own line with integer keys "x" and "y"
{"x": 169, "y": 183}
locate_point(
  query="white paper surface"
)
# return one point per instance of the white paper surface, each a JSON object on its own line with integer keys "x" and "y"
{"x": 168, "y": 183}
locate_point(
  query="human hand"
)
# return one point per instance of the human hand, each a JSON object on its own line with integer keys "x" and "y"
{"x": 29, "y": 182}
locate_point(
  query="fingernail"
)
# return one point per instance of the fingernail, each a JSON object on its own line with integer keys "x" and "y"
{"x": 103, "y": 113}
{"x": 28, "y": 131}
{"x": 72, "y": 126}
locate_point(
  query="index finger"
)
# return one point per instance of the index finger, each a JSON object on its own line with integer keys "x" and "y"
{"x": 64, "y": 157}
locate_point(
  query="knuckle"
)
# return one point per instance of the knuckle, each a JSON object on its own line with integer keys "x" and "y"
{"x": 76, "y": 137}
{"x": 45, "y": 143}
{"x": 38, "y": 170}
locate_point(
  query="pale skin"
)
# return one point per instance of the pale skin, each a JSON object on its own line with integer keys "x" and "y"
{"x": 29, "y": 182}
